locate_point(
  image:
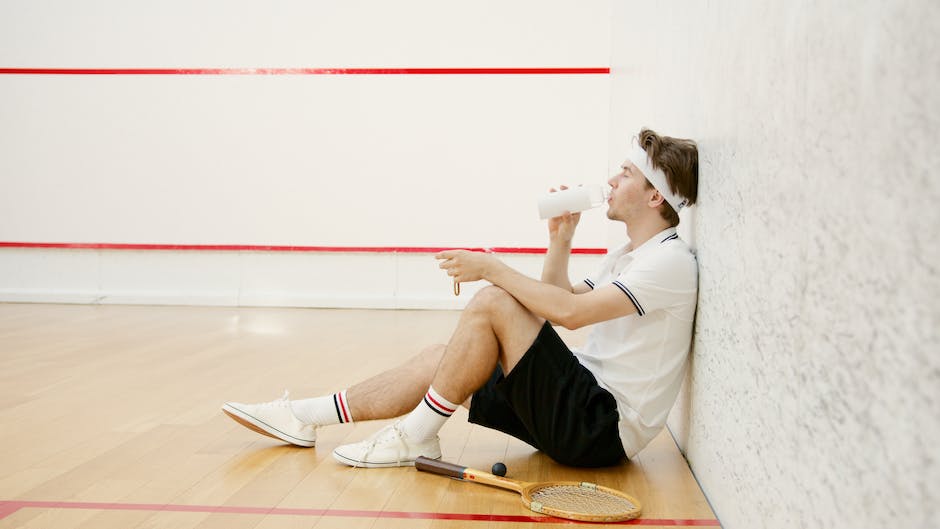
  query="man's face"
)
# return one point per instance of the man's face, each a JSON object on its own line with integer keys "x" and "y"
{"x": 629, "y": 194}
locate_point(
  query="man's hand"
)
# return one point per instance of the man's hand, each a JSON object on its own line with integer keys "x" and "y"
{"x": 464, "y": 265}
{"x": 561, "y": 228}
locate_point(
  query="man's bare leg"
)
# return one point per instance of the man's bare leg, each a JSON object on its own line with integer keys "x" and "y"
{"x": 493, "y": 328}
{"x": 397, "y": 391}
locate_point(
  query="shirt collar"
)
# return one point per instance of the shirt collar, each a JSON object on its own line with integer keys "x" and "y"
{"x": 662, "y": 237}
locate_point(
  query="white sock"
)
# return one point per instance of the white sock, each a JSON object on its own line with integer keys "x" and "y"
{"x": 428, "y": 418}
{"x": 329, "y": 409}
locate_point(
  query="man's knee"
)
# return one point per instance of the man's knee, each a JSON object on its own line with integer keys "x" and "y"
{"x": 493, "y": 299}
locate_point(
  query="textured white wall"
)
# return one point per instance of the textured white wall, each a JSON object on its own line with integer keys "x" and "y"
{"x": 814, "y": 393}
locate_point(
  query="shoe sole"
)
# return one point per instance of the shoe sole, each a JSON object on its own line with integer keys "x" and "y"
{"x": 362, "y": 464}
{"x": 263, "y": 428}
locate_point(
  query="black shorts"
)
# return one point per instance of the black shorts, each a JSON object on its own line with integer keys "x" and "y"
{"x": 552, "y": 402}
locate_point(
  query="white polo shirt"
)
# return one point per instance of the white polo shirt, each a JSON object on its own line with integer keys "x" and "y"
{"x": 641, "y": 358}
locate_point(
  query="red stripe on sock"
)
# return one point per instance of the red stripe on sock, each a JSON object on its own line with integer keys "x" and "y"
{"x": 439, "y": 405}
{"x": 342, "y": 407}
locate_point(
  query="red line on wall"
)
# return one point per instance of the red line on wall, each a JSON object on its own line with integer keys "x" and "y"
{"x": 272, "y": 248}
{"x": 304, "y": 71}
{"x": 7, "y": 508}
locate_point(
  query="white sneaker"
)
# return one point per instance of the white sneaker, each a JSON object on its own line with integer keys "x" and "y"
{"x": 274, "y": 419}
{"x": 389, "y": 447}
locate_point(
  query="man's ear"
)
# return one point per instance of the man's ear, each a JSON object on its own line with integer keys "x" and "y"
{"x": 656, "y": 199}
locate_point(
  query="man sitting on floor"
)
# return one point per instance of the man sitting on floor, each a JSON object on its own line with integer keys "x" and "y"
{"x": 588, "y": 407}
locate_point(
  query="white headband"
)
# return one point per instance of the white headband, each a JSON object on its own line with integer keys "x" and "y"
{"x": 656, "y": 177}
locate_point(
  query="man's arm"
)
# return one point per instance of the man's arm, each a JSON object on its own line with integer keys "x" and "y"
{"x": 555, "y": 268}
{"x": 570, "y": 309}
{"x": 549, "y": 301}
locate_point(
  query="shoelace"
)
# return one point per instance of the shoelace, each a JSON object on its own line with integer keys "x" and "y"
{"x": 283, "y": 401}
{"x": 380, "y": 435}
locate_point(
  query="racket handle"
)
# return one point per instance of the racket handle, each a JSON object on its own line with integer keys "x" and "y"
{"x": 439, "y": 467}
{"x": 464, "y": 473}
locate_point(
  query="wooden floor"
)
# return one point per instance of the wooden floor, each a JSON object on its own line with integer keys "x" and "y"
{"x": 109, "y": 418}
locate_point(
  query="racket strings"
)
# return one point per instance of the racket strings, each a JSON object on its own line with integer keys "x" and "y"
{"x": 582, "y": 499}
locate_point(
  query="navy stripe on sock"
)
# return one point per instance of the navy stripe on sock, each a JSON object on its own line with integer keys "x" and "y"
{"x": 433, "y": 407}
{"x": 339, "y": 413}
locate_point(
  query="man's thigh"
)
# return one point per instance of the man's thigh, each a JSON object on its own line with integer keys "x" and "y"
{"x": 515, "y": 326}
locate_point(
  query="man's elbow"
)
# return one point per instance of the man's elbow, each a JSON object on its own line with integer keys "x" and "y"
{"x": 571, "y": 321}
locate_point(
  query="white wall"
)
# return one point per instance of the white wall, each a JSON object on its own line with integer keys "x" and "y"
{"x": 302, "y": 160}
{"x": 814, "y": 391}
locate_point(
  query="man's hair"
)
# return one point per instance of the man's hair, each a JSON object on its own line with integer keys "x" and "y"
{"x": 678, "y": 159}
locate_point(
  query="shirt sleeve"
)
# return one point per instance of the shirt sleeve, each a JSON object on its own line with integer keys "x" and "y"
{"x": 664, "y": 280}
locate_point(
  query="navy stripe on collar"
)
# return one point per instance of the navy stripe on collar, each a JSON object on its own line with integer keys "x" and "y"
{"x": 671, "y": 237}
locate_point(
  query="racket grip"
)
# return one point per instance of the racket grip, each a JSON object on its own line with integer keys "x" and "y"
{"x": 439, "y": 467}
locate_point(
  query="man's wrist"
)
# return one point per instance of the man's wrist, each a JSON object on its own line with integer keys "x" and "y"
{"x": 491, "y": 268}
{"x": 558, "y": 242}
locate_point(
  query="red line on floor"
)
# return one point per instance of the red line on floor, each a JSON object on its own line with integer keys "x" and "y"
{"x": 304, "y": 71}
{"x": 7, "y": 508}
{"x": 273, "y": 248}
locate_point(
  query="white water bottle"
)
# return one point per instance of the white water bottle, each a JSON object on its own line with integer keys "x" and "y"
{"x": 573, "y": 200}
